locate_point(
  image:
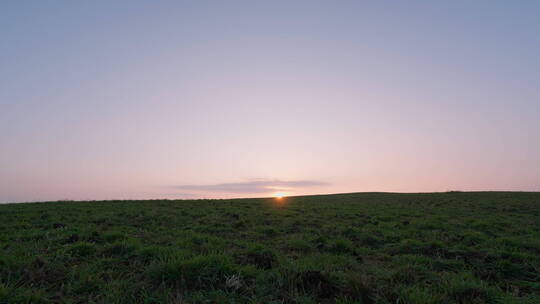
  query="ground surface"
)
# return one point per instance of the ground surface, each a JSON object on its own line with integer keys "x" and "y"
{"x": 350, "y": 248}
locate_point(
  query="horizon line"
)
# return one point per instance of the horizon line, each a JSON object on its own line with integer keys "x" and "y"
{"x": 266, "y": 197}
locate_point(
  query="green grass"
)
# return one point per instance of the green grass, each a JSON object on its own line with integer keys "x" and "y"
{"x": 455, "y": 247}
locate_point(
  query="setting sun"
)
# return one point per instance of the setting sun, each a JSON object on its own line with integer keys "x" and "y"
{"x": 279, "y": 195}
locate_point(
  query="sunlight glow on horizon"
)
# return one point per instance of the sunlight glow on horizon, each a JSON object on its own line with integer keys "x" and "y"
{"x": 280, "y": 195}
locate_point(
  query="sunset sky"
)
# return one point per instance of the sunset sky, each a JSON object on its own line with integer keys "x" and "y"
{"x": 218, "y": 99}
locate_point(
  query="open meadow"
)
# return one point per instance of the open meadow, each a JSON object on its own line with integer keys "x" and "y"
{"x": 455, "y": 247}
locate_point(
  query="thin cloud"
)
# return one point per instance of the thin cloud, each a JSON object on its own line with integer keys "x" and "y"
{"x": 256, "y": 185}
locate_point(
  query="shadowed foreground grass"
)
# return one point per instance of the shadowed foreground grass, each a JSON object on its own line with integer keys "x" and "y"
{"x": 436, "y": 248}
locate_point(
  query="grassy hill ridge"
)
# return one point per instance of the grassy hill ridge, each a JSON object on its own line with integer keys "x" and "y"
{"x": 455, "y": 247}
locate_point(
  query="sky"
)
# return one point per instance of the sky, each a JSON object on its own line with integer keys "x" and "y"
{"x": 220, "y": 99}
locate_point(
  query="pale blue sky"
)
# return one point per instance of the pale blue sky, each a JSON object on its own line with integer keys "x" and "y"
{"x": 148, "y": 99}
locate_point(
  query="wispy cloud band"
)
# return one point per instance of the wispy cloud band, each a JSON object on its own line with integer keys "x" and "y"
{"x": 257, "y": 185}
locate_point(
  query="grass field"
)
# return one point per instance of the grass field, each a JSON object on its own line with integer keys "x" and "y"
{"x": 456, "y": 247}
